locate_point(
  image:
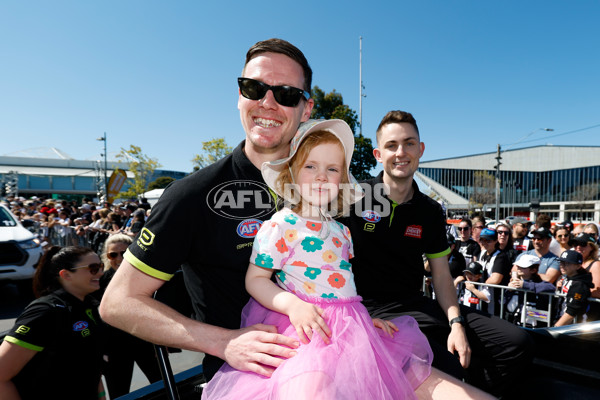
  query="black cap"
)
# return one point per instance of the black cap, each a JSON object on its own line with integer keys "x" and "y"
{"x": 475, "y": 268}
{"x": 571, "y": 256}
{"x": 567, "y": 225}
{"x": 582, "y": 238}
{"x": 543, "y": 232}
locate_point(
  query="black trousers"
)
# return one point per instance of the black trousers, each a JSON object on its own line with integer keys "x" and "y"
{"x": 501, "y": 352}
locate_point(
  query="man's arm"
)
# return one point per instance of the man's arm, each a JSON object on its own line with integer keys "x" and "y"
{"x": 128, "y": 305}
{"x": 446, "y": 297}
{"x": 551, "y": 275}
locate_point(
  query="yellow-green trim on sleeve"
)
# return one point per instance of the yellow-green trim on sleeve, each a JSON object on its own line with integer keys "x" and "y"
{"x": 438, "y": 255}
{"x": 133, "y": 260}
{"x": 21, "y": 343}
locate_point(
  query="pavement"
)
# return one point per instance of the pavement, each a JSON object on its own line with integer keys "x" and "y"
{"x": 12, "y": 303}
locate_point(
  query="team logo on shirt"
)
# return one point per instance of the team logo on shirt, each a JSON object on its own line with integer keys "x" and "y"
{"x": 22, "y": 330}
{"x": 414, "y": 231}
{"x": 80, "y": 326}
{"x": 249, "y": 228}
{"x": 371, "y": 216}
{"x": 240, "y": 200}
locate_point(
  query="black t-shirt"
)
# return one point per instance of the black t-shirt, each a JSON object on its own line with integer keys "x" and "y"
{"x": 67, "y": 335}
{"x": 390, "y": 240}
{"x": 469, "y": 249}
{"x": 205, "y": 224}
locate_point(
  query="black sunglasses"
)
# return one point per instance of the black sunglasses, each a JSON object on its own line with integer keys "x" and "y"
{"x": 463, "y": 228}
{"x": 94, "y": 268}
{"x": 287, "y": 96}
{"x": 115, "y": 254}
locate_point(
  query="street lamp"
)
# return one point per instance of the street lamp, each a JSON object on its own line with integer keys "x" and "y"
{"x": 103, "y": 139}
{"x": 498, "y": 162}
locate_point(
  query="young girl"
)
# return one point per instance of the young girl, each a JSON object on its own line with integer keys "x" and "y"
{"x": 344, "y": 354}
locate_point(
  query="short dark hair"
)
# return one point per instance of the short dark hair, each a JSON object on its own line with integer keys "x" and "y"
{"x": 284, "y": 47}
{"x": 397, "y": 117}
{"x": 467, "y": 221}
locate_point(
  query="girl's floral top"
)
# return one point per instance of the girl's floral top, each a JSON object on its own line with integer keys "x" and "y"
{"x": 307, "y": 263}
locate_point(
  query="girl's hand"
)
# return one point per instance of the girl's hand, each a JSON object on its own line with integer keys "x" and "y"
{"x": 308, "y": 319}
{"x": 387, "y": 326}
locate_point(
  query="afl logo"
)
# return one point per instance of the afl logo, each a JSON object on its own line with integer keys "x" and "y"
{"x": 240, "y": 200}
{"x": 371, "y": 216}
{"x": 249, "y": 228}
{"x": 80, "y": 326}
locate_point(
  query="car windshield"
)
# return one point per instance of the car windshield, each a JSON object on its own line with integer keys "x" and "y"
{"x": 6, "y": 219}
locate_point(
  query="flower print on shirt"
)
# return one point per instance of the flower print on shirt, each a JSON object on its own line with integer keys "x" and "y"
{"x": 286, "y": 259}
{"x": 281, "y": 246}
{"x": 329, "y": 296}
{"x": 309, "y": 287}
{"x": 281, "y": 276}
{"x": 327, "y": 267}
{"x": 291, "y": 235}
{"x": 345, "y": 265}
{"x": 336, "y": 280}
{"x": 314, "y": 226}
{"x": 290, "y": 219}
{"x": 312, "y": 273}
{"x": 311, "y": 244}
{"x": 329, "y": 256}
{"x": 336, "y": 242}
{"x": 263, "y": 260}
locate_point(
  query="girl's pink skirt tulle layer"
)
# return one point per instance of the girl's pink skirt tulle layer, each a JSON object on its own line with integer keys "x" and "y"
{"x": 361, "y": 362}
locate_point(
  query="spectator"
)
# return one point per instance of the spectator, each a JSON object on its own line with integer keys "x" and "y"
{"x": 520, "y": 228}
{"x": 576, "y": 286}
{"x": 59, "y": 333}
{"x": 472, "y": 295}
{"x": 592, "y": 230}
{"x": 527, "y": 278}
{"x": 455, "y": 259}
{"x": 568, "y": 225}
{"x": 505, "y": 241}
{"x": 138, "y": 220}
{"x": 577, "y": 229}
{"x": 587, "y": 246}
{"x": 496, "y": 266}
{"x": 468, "y": 247}
{"x": 478, "y": 225}
{"x": 563, "y": 237}
{"x": 544, "y": 221}
{"x": 549, "y": 266}
{"x": 86, "y": 212}
{"x": 123, "y": 349}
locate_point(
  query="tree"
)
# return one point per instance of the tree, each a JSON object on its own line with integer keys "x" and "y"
{"x": 331, "y": 106}
{"x": 213, "y": 151}
{"x": 583, "y": 194}
{"x": 160, "y": 182}
{"x": 484, "y": 189}
{"x": 142, "y": 167}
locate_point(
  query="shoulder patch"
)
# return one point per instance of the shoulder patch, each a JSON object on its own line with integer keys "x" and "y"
{"x": 415, "y": 231}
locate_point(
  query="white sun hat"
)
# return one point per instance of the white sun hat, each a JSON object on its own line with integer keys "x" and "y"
{"x": 271, "y": 170}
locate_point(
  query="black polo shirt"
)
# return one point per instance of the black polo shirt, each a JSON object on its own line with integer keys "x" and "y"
{"x": 390, "y": 240}
{"x": 205, "y": 224}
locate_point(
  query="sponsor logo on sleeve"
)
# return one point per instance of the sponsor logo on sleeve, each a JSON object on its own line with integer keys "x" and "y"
{"x": 249, "y": 228}
{"x": 415, "y": 231}
{"x": 146, "y": 237}
{"x": 22, "y": 330}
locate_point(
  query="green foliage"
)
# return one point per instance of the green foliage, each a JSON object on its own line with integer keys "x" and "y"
{"x": 331, "y": 106}
{"x": 160, "y": 183}
{"x": 212, "y": 151}
{"x": 142, "y": 167}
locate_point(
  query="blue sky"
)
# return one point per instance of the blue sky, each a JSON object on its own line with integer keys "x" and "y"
{"x": 162, "y": 74}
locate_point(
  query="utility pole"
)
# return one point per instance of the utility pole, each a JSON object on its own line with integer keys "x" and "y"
{"x": 361, "y": 86}
{"x": 498, "y": 162}
{"x": 103, "y": 139}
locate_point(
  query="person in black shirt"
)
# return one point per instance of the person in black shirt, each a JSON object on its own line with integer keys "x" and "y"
{"x": 54, "y": 350}
{"x": 205, "y": 224}
{"x": 392, "y": 227}
{"x": 466, "y": 245}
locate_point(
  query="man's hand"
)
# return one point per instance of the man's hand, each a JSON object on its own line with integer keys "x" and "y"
{"x": 457, "y": 342}
{"x": 259, "y": 349}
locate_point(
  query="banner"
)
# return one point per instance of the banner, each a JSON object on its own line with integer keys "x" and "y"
{"x": 115, "y": 183}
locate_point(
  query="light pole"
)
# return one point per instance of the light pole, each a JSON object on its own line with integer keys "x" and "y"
{"x": 498, "y": 162}
{"x": 103, "y": 139}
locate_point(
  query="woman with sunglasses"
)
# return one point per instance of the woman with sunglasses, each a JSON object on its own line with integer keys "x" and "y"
{"x": 54, "y": 349}
{"x": 122, "y": 348}
{"x": 563, "y": 237}
{"x": 505, "y": 241}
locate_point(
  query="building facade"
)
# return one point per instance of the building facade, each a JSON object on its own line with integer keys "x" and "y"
{"x": 562, "y": 181}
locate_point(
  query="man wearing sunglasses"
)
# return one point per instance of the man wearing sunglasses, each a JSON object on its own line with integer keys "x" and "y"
{"x": 212, "y": 243}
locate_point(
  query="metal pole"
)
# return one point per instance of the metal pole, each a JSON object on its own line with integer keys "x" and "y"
{"x": 360, "y": 84}
{"x": 105, "y": 171}
{"x": 498, "y": 158}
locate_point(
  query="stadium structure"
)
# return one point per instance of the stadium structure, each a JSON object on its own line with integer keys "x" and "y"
{"x": 561, "y": 181}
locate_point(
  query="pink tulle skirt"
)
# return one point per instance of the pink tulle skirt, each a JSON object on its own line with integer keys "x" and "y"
{"x": 361, "y": 362}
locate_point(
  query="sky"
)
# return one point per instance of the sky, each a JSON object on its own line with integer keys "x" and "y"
{"x": 162, "y": 74}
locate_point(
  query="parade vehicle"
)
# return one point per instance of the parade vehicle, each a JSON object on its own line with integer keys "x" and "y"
{"x": 20, "y": 250}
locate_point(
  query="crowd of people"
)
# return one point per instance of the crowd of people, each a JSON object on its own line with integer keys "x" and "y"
{"x": 538, "y": 256}
{"x": 286, "y": 310}
{"x": 86, "y": 223}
